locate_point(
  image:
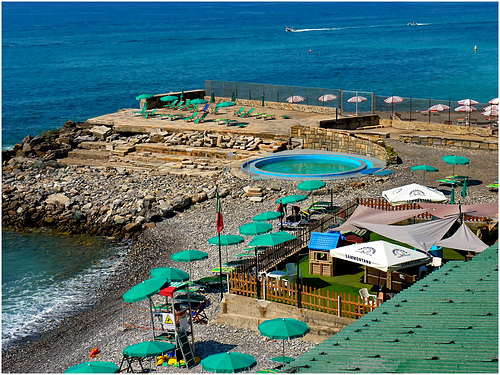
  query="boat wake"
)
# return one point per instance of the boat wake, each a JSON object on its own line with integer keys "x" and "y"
{"x": 293, "y": 30}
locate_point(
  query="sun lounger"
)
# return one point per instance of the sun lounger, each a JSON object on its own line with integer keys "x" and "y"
{"x": 191, "y": 118}
{"x": 268, "y": 116}
{"x": 185, "y": 106}
{"x": 152, "y": 113}
{"x": 239, "y": 112}
{"x": 225, "y": 270}
{"x": 449, "y": 181}
{"x": 174, "y": 116}
{"x": 205, "y": 109}
{"x": 226, "y": 121}
{"x": 201, "y": 119}
{"x": 493, "y": 187}
{"x": 247, "y": 114}
{"x": 171, "y": 104}
{"x": 143, "y": 111}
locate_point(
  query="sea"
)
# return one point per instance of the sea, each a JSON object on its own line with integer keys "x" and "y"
{"x": 77, "y": 60}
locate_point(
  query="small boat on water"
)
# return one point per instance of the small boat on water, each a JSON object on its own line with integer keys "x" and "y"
{"x": 412, "y": 24}
{"x": 290, "y": 29}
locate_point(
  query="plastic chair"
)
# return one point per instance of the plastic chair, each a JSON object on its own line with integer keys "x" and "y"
{"x": 291, "y": 270}
{"x": 363, "y": 292}
{"x": 436, "y": 262}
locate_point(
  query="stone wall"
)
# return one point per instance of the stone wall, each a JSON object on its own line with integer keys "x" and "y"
{"x": 442, "y": 128}
{"x": 328, "y": 140}
{"x": 248, "y": 313}
{"x": 350, "y": 123}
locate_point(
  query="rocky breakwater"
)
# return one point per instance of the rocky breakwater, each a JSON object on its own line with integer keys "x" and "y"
{"x": 94, "y": 200}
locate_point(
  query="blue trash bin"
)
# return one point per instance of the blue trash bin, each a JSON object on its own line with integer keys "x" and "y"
{"x": 436, "y": 251}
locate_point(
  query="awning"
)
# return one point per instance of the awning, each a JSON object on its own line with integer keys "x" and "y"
{"x": 463, "y": 239}
{"x": 445, "y": 210}
{"x": 372, "y": 215}
{"x": 421, "y": 236}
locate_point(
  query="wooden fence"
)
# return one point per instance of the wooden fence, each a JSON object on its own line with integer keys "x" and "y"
{"x": 302, "y": 296}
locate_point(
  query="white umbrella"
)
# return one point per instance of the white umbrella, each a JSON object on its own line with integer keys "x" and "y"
{"x": 295, "y": 99}
{"x": 439, "y": 108}
{"x": 467, "y": 102}
{"x": 494, "y": 101}
{"x": 357, "y": 99}
{"x": 466, "y": 108}
{"x": 327, "y": 98}
{"x": 381, "y": 255}
{"x": 490, "y": 107}
{"x": 490, "y": 112}
{"x": 413, "y": 193}
{"x": 392, "y": 100}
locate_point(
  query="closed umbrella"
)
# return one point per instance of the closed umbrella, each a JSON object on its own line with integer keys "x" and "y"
{"x": 268, "y": 216}
{"x": 93, "y": 367}
{"x": 271, "y": 239}
{"x": 233, "y": 96}
{"x": 212, "y": 97}
{"x": 227, "y": 363}
{"x": 425, "y": 168}
{"x": 145, "y": 289}
{"x": 189, "y": 256}
{"x": 170, "y": 273}
{"x": 455, "y": 160}
{"x": 357, "y": 99}
{"x": 252, "y": 229}
{"x": 452, "y": 195}
{"x": 283, "y": 329}
{"x": 464, "y": 188}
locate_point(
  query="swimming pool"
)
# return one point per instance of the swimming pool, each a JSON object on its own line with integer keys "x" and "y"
{"x": 309, "y": 165}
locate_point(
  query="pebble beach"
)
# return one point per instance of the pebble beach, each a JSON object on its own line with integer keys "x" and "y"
{"x": 101, "y": 326}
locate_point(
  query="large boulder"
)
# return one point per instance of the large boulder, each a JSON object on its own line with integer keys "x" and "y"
{"x": 100, "y": 132}
{"x": 180, "y": 202}
{"x": 58, "y": 200}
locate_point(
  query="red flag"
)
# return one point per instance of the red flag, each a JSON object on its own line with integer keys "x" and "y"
{"x": 220, "y": 223}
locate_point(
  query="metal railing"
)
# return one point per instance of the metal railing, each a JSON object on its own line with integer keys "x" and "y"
{"x": 411, "y": 109}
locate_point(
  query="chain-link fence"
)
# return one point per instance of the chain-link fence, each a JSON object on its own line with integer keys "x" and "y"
{"x": 357, "y": 103}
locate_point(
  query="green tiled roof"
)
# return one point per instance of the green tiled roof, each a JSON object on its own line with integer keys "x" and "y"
{"x": 445, "y": 323}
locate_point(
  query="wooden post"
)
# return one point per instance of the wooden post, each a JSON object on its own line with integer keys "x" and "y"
{"x": 339, "y": 301}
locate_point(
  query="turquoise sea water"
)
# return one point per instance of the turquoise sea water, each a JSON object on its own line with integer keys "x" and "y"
{"x": 63, "y": 61}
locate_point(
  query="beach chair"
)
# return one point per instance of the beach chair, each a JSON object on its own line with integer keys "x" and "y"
{"x": 179, "y": 104}
{"x": 171, "y": 104}
{"x": 214, "y": 110}
{"x": 191, "y": 118}
{"x": 291, "y": 271}
{"x": 200, "y": 315}
{"x": 268, "y": 116}
{"x": 205, "y": 109}
{"x": 152, "y": 113}
{"x": 248, "y": 114}
{"x": 201, "y": 119}
{"x": 363, "y": 292}
{"x": 185, "y": 106}
{"x": 143, "y": 111}
{"x": 239, "y": 112}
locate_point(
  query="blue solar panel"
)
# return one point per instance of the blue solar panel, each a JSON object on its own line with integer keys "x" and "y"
{"x": 324, "y": 241}
{"x": 370, "y": 170}
{"x": 383, "y": 173}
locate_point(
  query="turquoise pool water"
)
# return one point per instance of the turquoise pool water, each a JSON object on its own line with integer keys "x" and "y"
{"x": 310, "y": 164}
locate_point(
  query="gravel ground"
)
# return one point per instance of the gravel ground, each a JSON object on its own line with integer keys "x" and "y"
{"x": 100, "y": 327}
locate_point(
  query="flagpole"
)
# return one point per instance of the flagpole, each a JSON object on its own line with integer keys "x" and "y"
{"x": 218, "y": 234}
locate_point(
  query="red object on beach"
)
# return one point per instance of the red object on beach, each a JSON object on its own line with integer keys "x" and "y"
{"x": 220, "y": 222}
{"x": 94, "y": 352}
{"x": 467, "y": 102}
{"x": 394, "y": 99}
{"x": 168, "y": 291}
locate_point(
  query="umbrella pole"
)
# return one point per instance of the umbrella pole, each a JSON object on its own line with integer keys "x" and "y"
{"x": 283, "y": 352}
{"x": 220, "y": 271}
{"x": 151, "y": 316}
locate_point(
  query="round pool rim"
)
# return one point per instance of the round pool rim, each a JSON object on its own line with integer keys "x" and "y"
{"x": 360, "y": 163}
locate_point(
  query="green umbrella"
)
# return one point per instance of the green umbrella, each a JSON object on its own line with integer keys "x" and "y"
{"x": 170, "y": 273}
{"x": 292, "y": 199}
{"x": 228, "y": 362}
{"x": 148, "y": 349}
{"x": 464, "y": 188}
{"x": 268, "y": 216}
{"x": 452, "y": 195}
{"x": 189, "y": 256}
{"x": 226, "y": 240}
{"x": 233, "y": 96}
{"x": 455, "y": 160}
{"x": 271, "y": 239}
{"x": 425, "y": 168}
{"x": 226, "y": 104}
{"x": 198, "y": 101}
{"x": 145, "y": 289}
{"x": 252, "y": 229}
{"x": 94, "y": 367}
{"x": 311, "y": 185}
{"x": 144, "y": 96}
{"x": 212, "y": 98}
{"x": 169, "y": 98}
{"x": 283, "y": 329}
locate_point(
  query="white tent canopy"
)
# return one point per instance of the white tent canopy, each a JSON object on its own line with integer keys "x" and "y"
{"x": 421, "y": 236}
{"x": 463, "y": 239}
{"x": 478, "y": 210}
{"x": 413, "y": 193}
{"x": 381, "y": 255}
{"x": 372, "y": 215}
